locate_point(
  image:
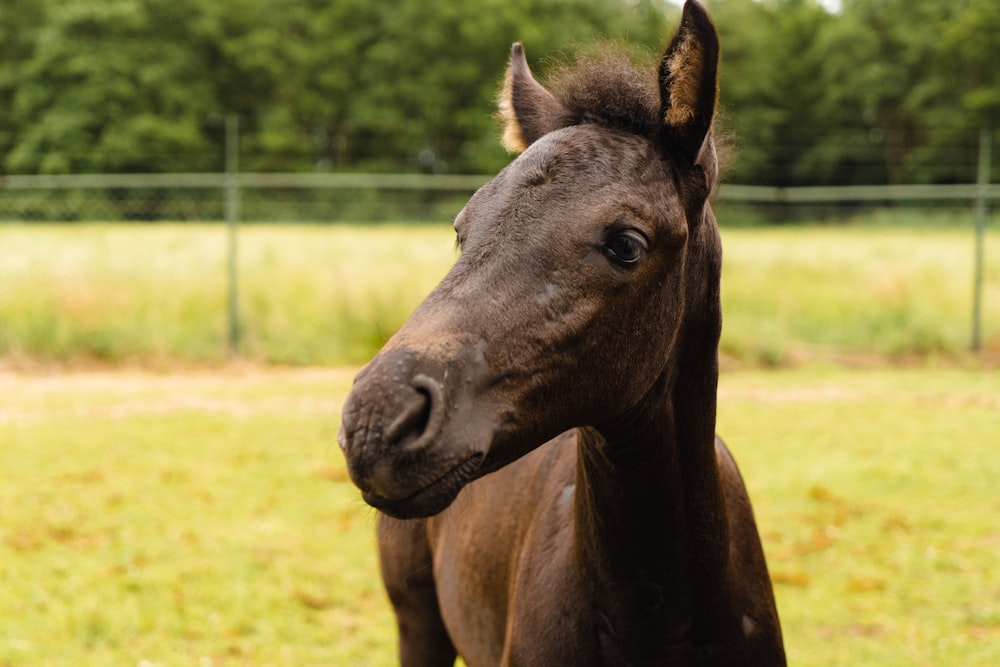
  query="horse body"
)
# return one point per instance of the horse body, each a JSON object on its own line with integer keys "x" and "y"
{"x": 540, "y": 435}
{"x": 523, "y": 588}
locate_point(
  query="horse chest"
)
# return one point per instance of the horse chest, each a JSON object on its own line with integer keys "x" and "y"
{"x": 537, "y": 607}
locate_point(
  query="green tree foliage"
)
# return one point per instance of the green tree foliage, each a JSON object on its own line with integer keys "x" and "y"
{"x": 770, "y": 85}
{"x": 883, "y": 91}
{"x": 413, "y": 83}
{"x": 889, "y": 51}
{"x": 110, "y": 86}
{"x": 19, "y": 21}
{"x": 880, "y": 91}
{"x": 143, "y": 85}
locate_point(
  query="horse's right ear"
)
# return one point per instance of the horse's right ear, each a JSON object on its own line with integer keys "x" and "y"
{"x": 525, "y": 108}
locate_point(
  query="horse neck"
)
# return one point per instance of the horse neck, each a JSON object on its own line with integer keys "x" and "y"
{"x": 649, "y": 501}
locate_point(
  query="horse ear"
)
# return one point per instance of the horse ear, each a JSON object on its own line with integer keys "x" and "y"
{"x": 527, "y": 110}
{"x": 689, "y": 83}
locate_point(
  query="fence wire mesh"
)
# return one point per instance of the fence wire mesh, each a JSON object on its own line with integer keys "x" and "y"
{"x": 257, "y": 204}
{"x": 366, "y": 198}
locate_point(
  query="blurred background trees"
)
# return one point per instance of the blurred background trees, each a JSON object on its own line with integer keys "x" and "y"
{"x": 880, "y": 91}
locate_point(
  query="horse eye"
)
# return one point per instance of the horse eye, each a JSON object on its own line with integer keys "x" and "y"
{"x": 626, "y": 247}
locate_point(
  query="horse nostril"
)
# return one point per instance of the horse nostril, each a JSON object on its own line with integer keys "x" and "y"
{"x": 412, "y": 419}
{"x": 420, "y": 416}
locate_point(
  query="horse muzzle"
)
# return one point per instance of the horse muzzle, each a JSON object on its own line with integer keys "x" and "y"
{"x": 408, "y": 447}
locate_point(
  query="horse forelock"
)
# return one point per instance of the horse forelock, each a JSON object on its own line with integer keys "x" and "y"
{"x": 609, "y": 87}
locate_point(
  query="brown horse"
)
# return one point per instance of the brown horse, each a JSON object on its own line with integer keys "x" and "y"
{"x": 540, "y": 435}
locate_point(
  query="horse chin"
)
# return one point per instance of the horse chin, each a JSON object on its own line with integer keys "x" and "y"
{"x": 433, "y": 498}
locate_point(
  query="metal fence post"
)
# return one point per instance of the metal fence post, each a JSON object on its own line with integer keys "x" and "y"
{"x": 232, "y": 224}
{"x": 982, "y": 187}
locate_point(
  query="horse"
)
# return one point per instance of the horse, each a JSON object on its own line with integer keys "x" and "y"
{"x": 539, "y": 436}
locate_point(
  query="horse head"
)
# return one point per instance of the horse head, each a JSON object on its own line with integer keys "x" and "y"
{"x": 583, "y": 265}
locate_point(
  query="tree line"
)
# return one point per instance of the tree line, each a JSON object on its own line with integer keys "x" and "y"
{"x": 880, "y": 91}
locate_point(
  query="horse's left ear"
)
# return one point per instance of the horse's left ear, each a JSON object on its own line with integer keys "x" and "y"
{"x": 527, "y": 110}
{"x": 689, "y": 84}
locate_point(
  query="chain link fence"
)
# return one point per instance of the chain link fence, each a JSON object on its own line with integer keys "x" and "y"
{"x": 263, "y": 197}
{"x": 367, "y": 198}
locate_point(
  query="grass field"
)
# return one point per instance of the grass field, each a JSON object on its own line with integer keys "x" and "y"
{"x": 156, "y": 294}
{"x": 205, "y": 518}
{"x": 160, "y": 506}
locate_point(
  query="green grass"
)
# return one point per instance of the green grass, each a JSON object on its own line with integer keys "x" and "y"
{"x": 156, "y": 294}
{"x": 820, "y": 291}
{"x": 876, "y": 492}
{"x": 205, "y": 518}
{"x": 200, "y": 517}
{"x": 182, "y": 520}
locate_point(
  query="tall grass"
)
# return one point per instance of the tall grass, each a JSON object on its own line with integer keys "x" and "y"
{"x": 895, "y": 292}
{"x": 155, "y": 294}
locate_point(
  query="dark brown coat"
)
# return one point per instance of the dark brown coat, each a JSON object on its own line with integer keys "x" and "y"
{"x": 540, "y": 435}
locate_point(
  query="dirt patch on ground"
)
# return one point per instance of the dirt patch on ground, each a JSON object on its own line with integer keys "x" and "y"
{"x": 245, "y": 389}
{"x": 811, "y": 394}
{"x": 238, "y": 390}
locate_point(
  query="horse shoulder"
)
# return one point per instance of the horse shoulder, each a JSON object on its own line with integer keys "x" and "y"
{"x": 750, "y": 593}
